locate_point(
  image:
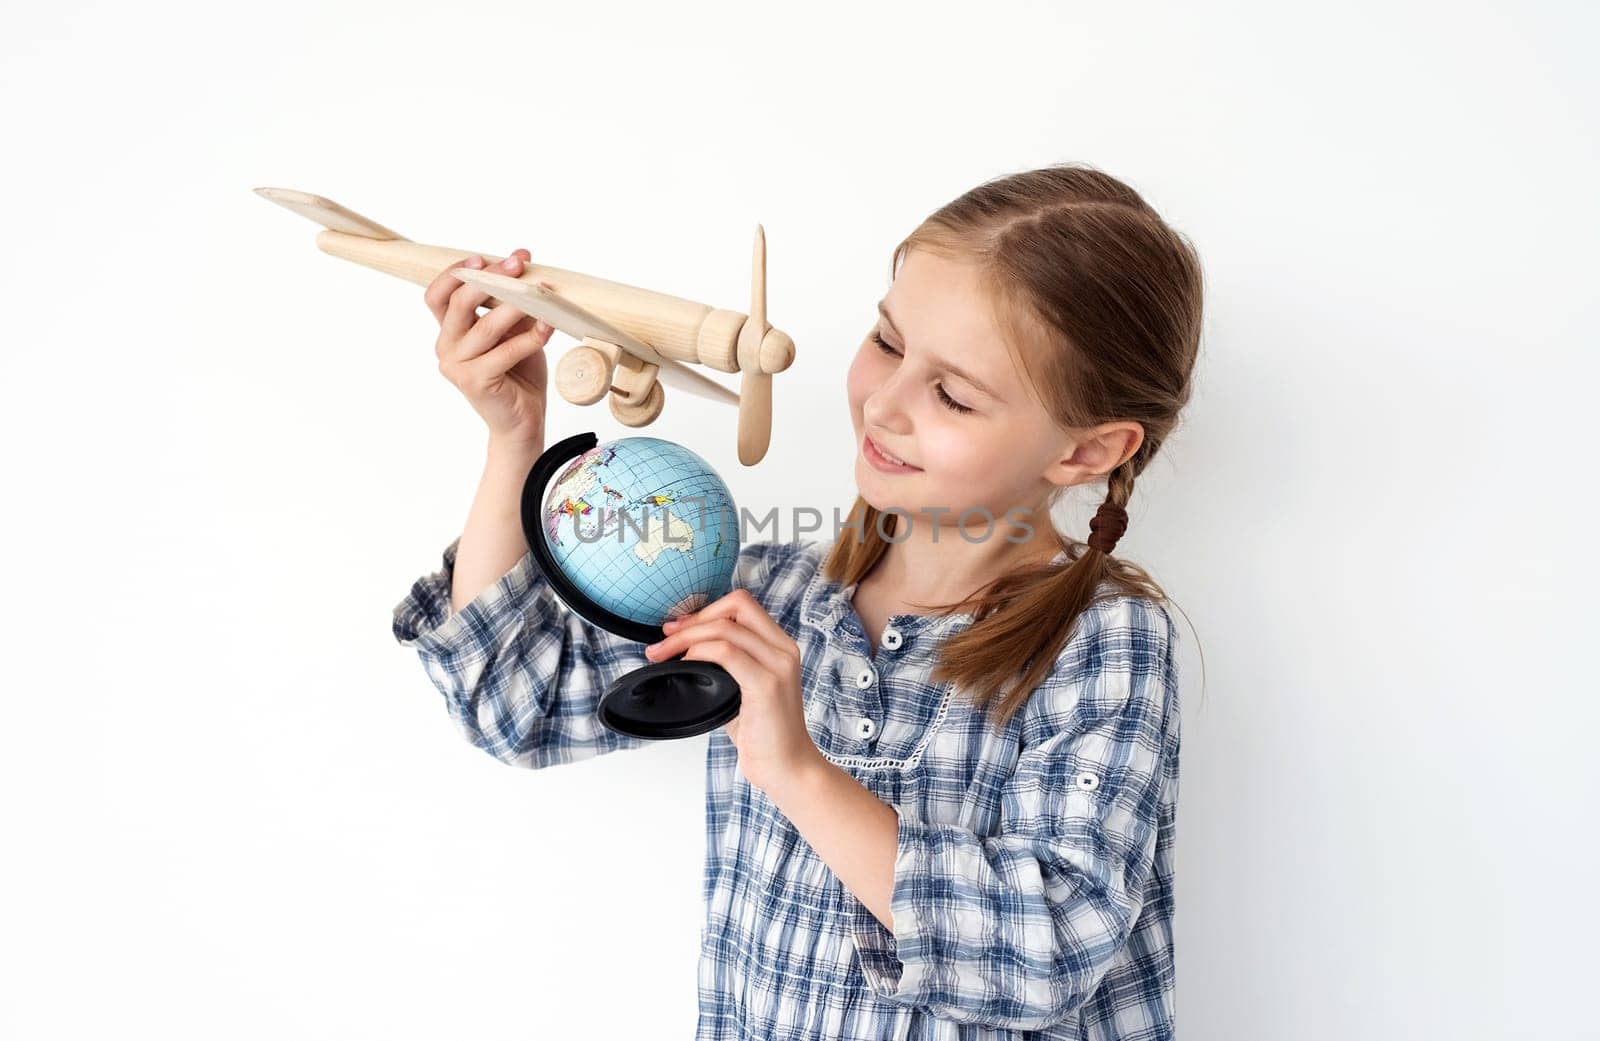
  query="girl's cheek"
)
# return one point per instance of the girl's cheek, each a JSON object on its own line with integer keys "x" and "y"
{"x": 953, "y": 454}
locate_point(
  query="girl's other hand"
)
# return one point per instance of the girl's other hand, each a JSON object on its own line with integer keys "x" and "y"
{"x": 498, "y": 360}
{"x": 769, "y": 733}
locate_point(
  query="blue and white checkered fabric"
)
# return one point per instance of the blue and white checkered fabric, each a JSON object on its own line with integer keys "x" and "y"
{"x": 1033, "y": 880}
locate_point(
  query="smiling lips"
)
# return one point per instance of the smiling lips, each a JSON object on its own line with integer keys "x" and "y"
{"x": 882, "y": 460}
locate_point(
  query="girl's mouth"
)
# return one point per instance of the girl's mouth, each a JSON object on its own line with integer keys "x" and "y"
{"x": 884, "y": 463}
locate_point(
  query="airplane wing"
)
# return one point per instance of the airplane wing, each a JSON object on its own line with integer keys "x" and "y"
{"x": 540, "y": 301}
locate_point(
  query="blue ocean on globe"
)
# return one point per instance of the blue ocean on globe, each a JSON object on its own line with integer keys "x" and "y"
{"x": 643, "y": 527}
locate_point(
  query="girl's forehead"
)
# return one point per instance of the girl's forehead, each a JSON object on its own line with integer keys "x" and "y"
{"x": 929, "y": 283}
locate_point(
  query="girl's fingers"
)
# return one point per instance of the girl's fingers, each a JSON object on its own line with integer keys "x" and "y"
{"x": 509, "y": 353}
{"x": 488, "y": 331}
{"x": 462, "y": 310}
{"x": 744, "y": 609}
{"x": 719, "y": 629}
{"x": 437, "y": 295}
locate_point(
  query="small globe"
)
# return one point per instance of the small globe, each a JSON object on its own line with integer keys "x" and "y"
{"x": 643, "y": 527}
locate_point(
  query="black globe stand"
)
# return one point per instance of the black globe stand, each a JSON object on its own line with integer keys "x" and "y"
{"x": 662, "y": 700}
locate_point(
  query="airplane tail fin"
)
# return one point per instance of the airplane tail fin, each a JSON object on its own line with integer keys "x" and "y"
{"x": 329, "y": 214}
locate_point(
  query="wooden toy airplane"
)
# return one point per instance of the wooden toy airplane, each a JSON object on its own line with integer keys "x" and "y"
{"x": 632, "y": 340}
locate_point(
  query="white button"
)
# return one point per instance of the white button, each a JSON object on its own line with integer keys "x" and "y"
{"x": 865, "y": 677}
{"x": 891, "y": 638}
{"x": 865, "y": 728}
{"x": 1088, "y": 781}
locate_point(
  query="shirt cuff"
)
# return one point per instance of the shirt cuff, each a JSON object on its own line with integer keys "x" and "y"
{"x": 424, "y": 620}
{"x": 894, "y": 963}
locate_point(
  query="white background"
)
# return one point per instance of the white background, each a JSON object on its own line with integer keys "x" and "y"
{"x": 233, "y": 807}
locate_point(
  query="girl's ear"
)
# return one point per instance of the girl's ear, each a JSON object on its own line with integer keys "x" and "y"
{"x": 1096, "y": 452}
{"x": 1126, "y": 437}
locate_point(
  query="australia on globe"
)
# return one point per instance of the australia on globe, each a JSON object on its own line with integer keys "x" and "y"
{"x": 643, "y": 527}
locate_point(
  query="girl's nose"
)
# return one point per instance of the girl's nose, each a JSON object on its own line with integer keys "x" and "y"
{"x": 885, "y": 408}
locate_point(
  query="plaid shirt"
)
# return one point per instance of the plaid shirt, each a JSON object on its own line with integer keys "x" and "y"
{"x": 1032, "y": 891}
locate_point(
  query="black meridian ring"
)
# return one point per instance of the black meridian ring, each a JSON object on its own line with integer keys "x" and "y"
{"x": 553, "y": 458}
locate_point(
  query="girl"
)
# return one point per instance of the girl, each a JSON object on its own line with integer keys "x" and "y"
{"x": 946, "y": 808}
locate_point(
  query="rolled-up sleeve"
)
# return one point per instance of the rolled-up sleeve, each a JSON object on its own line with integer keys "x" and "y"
{"x": 1016, "y": 929}
{"x": 521, "y": 673}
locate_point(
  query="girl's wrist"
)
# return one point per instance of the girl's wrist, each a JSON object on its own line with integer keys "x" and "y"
{"x": 516, "y": 449}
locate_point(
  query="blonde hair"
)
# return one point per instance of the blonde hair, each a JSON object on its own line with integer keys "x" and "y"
{"x": 1100, "y": 304}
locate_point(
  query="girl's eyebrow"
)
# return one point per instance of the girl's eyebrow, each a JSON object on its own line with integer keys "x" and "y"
{"x": 940, "y": 362}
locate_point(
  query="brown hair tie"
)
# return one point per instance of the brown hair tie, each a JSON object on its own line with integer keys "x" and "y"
{"x": 1110, "y": 521}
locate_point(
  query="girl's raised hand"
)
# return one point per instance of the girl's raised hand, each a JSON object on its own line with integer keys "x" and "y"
{"x": 498, "y": 360}
{"x": 737, "y": 633}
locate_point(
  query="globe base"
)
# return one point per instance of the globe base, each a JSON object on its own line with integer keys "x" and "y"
{"x": 670, "y": 699}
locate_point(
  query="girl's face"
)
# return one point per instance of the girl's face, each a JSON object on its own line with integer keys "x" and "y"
{"x": 941, "y": 393}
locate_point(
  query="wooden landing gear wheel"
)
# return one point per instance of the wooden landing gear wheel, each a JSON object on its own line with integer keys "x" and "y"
{"x": 583, "y": 375}
{"x": 638, "y": 415}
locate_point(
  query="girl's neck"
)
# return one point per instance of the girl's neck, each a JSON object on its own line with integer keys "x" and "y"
{"x": 923, "y": 571}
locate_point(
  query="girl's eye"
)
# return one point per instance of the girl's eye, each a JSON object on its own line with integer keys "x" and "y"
{"x": 949, "y": 402}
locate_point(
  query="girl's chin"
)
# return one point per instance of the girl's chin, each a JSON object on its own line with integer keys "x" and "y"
{"x": 883, "y": 503}
{"x": 874, "y": 497}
